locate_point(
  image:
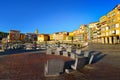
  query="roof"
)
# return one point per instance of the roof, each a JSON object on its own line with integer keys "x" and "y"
{"x": 15, "y": 30}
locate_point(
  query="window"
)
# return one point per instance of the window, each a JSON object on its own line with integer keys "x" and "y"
{"x": 112, "y": 26}
{"x": 109, "y": 21}
{"x": 107, "y": 28}
{"x": 113, "y": 20}
{"x": 118, "y": 12}
{"x": 110, "y": 32}
{"x": 117, "y": 25}
{"x": 113, "y": 14}
{"x": 113, "y": 31}
{"x": 108, "y": 16}
{"x": 117, "y": 31}
{"x": 107, "y": 34}
{"x": 102, "y": 29}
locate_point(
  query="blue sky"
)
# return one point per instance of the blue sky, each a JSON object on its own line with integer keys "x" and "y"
{"x": 51, "y": 16}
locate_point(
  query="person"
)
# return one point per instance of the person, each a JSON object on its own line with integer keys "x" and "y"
{"x": 58, "y": 44}
{"x": 35, "y": 45}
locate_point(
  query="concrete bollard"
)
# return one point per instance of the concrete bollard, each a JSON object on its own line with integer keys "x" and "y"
{"x": 91, "y": 59}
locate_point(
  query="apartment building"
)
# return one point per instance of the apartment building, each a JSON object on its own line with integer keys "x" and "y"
{"x": 81, "y": 34}
{"x": 94, "y": 32}
{"x": 69, "y": 37}
{"x": 14, "y": 35}
{"x": 60, "y": 36}
{"x": 75, "y": 33}
{"x": 71, "y": 34}
{"x": 22, "y": 37}
{"x": 110, "y": 26}
{"x": 51, "y": 37}
{"x": 30, "y": 37}
{"x": 43, "y": 37}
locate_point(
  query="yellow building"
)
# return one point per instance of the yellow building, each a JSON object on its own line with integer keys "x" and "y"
{"x": 42, "y": 37}
{"x": 84, "y": 33}
{"x": 110, "y": 26}
{"x": 81, "y": 34}
{"x": 98, "y": 32}
{"x": 71, "y": 34}
{"x": 60, "y": 36}
{"x": 76, "y": 33}
{"x": 51, "y": 37}
{"x": 94, "y": 32}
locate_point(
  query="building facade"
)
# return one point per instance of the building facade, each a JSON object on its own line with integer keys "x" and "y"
{"x": 30, "y": 37}
{"x": 94, "y": 32}
{"x": 81, "y": 34}
{"x": 43, "y": 37}
{"x": 110, "y": 26}
{"x": 69, "y": 37}
{"x": 60, "y": 36}
{"x": 14, "y": 36}
{"x": 22, "y": 37}
{"x": 51, "y": 37}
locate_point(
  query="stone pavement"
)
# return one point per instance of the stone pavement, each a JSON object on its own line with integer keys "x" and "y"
{"x": 29, "y": 66}
{"x": 106, "y": 67}
{"x": 112, "y": 53}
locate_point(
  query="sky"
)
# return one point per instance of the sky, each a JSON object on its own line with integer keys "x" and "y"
{"x": 50, "y": 16}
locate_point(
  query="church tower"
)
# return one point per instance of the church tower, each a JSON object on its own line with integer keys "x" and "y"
{"x": 36, "y": 32}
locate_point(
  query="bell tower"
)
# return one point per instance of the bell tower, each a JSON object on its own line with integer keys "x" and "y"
{"x": 36, "y": 32}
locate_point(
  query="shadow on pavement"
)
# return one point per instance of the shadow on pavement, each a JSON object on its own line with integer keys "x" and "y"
{"x": 97, "y": 56}
{"x": 68, "y": 64}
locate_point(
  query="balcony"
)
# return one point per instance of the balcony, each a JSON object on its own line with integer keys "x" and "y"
{"x": 98, "y": 29}
{"x": 98, "y": 33}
